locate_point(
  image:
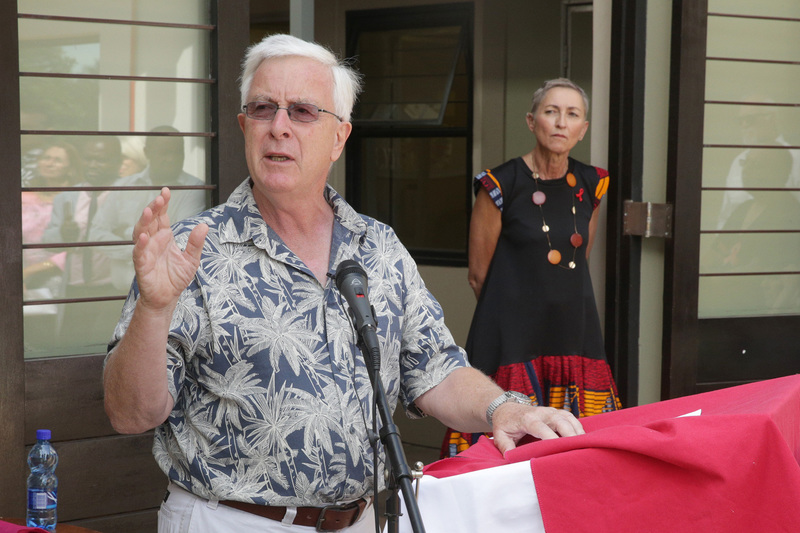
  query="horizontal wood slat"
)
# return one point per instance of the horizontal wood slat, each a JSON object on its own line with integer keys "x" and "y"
{"x": 141, "y": 522}
{"x": 100, "y": 472}
{"x": 65, "y": 395}
{"x": 107, "y": 476}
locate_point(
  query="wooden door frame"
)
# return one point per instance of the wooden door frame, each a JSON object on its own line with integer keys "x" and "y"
{"x": 625, "y": 165}
{"x": 699, "y": 355}
{"x": 684, "y": 182}
{"x": 12, "y": 377}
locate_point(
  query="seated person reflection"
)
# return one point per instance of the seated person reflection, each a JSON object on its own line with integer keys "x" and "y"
{"x": 87, "y": 274}
{"x": 32, "y": 117}
{"x": 58, "y": 165}
{"x": 83, "y": 327}
{"x": 760, "y": 125}
{"x": 133, "y": 158}
{"x": 236, "y": 346}
{"x": 165, "y": 155}
{"x": 769, "y": 208}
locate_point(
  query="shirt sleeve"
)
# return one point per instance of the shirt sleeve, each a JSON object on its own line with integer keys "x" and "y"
{"x": 188, "y": 328}
{"x": 428, "y": 352}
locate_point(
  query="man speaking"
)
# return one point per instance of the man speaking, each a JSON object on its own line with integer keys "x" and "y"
{"x": 237, "y": 347}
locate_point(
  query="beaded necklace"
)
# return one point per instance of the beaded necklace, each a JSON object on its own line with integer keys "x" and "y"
{"x": 539, "y": 198}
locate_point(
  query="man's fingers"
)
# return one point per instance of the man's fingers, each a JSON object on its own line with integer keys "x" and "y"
{"x": 154, "y": 215}
{"x": 194, "y": 246}
{"x": 140, "y": 228}
{"x": 503, "y": 443}
{"x": 562, "y": 422}
{"x": 567, "y": 425}
{"x": 162, "y": 203}
{"x": 541, "y": 422}
{"x": 544, "y": 429}
{"x": 537, "y": 428}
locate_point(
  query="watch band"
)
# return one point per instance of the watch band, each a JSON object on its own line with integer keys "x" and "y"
{"x": 508, "y": 396}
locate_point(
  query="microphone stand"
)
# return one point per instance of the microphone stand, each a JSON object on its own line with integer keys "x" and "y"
{"x": 390, "y": 436}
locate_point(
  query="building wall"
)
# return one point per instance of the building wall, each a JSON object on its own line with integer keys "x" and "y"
{"x": 654, "y": 190}
{"x": 516, "y": 49}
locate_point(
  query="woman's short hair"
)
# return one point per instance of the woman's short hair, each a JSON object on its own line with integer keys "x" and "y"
{"x": 346, "y": 81}
{"x": 538, "y": 96}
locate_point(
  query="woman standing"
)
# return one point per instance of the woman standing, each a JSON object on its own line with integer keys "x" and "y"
{"x": 536, "y": 329}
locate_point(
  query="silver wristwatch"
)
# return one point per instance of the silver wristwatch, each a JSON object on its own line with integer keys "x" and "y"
{"x": 508, "y": 396}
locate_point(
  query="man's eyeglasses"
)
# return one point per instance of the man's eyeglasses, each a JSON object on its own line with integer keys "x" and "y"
{"x": 296, "y": 112}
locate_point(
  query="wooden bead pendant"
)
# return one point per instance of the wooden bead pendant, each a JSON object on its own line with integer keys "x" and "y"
{"x": 576, "y": 239}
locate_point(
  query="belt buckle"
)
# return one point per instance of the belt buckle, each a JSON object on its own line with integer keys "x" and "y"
{"x": 343, "y": 507}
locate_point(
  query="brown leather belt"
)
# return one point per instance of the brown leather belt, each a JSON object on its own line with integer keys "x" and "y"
{"x": 330, "y": 518}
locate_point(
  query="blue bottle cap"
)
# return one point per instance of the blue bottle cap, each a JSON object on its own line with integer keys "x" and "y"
{"x": 43, "y": 434}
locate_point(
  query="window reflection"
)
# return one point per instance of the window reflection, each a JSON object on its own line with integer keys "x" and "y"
{"x": 759, "y": 167}
{"x": 57, "y": 104}
{"x": 753, "y": 239}
{"x": 48, "y": 333}
{"x": 82, "y": 83}
{"x": 77, "y": 223}
{"x": 115, "y": 219}
{"x": 133, "y": 158}
{"x": 749, "y": 259}
{"x": 176, "y": 11}
{"x": 410, "y": 74}
{"x": 57, "y": 165}
{"x": 65, "y": 217}
{"x": 77, "y": 48}
{"x": 105, "y": 215}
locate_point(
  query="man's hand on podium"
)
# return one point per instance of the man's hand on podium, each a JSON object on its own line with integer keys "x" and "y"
{"x": 512, "y": 421}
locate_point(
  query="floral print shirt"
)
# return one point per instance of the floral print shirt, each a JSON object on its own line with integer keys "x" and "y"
{"x": 273, "y": 402}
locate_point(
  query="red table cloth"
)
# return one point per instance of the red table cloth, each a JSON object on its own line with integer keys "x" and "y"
{"x": 8, "y": 527}
{"x": 731, "y": 468}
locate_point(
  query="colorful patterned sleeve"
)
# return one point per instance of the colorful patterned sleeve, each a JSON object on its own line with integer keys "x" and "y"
{"x": 602, "y": 186}
{"x": 486, "y": 180}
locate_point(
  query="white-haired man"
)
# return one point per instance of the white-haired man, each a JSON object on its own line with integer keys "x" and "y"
{"x": 262, "y": 422}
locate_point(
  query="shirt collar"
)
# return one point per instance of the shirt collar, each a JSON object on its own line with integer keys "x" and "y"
{"x": 243, "y": 220}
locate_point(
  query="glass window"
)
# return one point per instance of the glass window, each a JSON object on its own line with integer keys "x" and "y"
{"x": 59, "y": 104}
{"x": 750, "y": 295}
{"x": 747, "y": 38}
{"x": 418, "y": 184}
{"x": 70, "y": 47}
{"x": 174, "y": 11}
{"x": 114, "y": 104}
{"x": 410, "y": 75}
{"x": 750, "y": 219}
{"x": 409, "y": 157}
{"x": 776, "y": 8}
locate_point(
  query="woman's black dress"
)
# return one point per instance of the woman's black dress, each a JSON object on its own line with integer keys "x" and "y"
{"x": 536, "y": 328}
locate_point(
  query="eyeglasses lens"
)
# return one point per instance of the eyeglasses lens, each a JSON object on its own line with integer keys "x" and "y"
{"x": 303, "y": 112}
{"x": 268, "y": 110}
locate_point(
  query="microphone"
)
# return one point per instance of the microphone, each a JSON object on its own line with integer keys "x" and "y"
{"x": 351, "y": 280}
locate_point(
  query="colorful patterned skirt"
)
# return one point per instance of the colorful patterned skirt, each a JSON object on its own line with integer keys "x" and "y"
{"x": 578, "y": 384}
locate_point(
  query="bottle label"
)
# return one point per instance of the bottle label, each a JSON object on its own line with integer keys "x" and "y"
{"x": 40, "y": 500}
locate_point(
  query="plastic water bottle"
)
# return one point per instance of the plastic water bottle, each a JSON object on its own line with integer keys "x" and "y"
{"x": 42, "y": 483}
